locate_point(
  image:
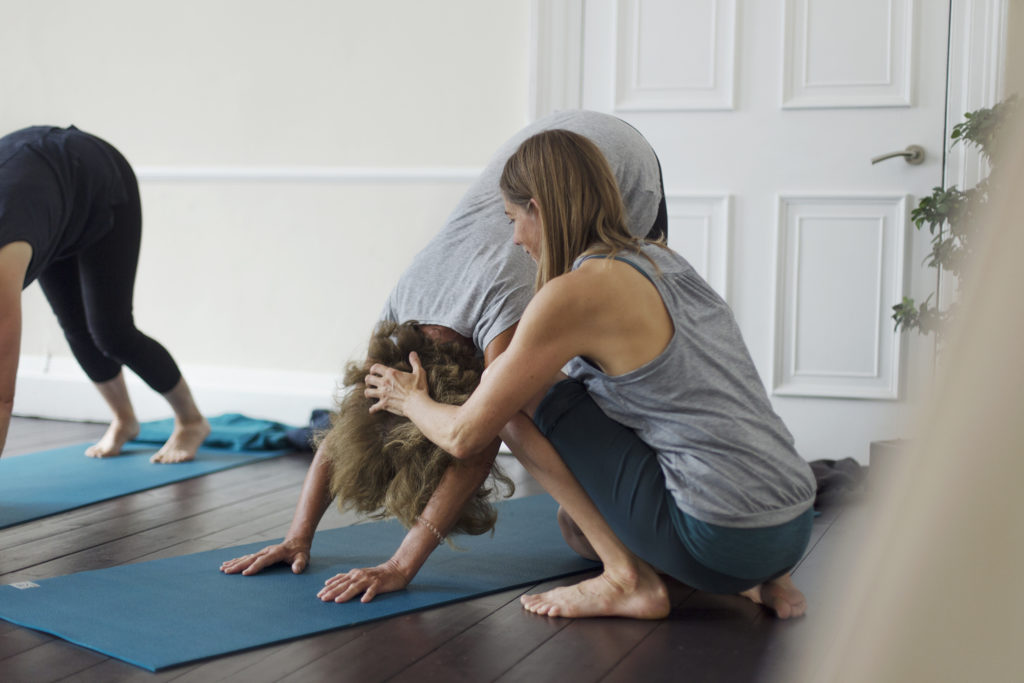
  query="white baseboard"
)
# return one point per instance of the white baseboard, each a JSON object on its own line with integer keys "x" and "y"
{"x": 304, "y": 174}
{"x": 56, "y": 388}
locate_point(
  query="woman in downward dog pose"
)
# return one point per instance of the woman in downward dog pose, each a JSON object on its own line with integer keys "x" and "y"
{"x": 667, "y": 456}
{"x": 467, "y": 289}
{"x": 70, "y": 216}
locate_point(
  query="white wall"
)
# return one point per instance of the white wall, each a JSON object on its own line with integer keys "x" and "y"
{"x": 292, "y": 159}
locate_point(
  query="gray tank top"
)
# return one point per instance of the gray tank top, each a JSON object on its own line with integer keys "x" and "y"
{"x": 471, "y": 277}
{"x": 728, "y": 458}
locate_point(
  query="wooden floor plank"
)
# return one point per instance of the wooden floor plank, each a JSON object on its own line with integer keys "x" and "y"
{"x": 699, "y": 645}
{"x": 582, "y": 651}
{"x": 28, "y": 435}
{"x": 275, "y": 663}
{"x": 15, "y": 640}
{"x": 115, "y": 671}
{"x": 133, "y": 546}
{"x": 492, "y": 646}
{"x": 49, "y": 662}
{"x": 374, "y": 657}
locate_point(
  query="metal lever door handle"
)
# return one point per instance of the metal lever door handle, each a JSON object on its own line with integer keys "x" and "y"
{"x": 914, "y": 154}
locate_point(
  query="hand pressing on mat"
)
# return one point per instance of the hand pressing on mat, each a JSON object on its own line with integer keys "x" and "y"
{"x": 369, "y": 582}
{"x": 290, "y": 551}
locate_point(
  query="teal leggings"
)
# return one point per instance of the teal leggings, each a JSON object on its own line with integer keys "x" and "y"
{"x": 623, "y": 478}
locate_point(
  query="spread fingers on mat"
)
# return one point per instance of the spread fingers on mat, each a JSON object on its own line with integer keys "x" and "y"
{"x": 369, "y": 582}
{"x": 289, "y": 552}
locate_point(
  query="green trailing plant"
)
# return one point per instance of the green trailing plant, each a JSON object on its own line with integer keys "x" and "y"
{"x": 951, "y": 213}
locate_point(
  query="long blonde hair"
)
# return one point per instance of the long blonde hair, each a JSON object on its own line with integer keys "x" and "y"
{"x": 382, "y": 464}
{"x": 581, "y": 208}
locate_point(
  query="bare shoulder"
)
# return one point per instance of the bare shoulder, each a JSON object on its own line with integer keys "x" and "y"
{"x": 612, "y": 282}
{"x": 572, "y": 305}
{"x": 572, "y": 294}
{"x": 597, "y": 287}
{"x": 559, "y": 315}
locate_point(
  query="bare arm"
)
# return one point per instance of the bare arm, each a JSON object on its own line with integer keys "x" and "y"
{"x": 459, "y": 484}
{"x": 555, "y": 327}
{"x": 457, "y": 487}
{"x": 294, "y": 549}
{"x": 14, "y": 260}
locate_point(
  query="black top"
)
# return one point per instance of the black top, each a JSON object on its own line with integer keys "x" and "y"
{"x": 57, "y": 189}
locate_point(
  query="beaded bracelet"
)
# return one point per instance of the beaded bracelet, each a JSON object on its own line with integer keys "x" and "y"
{"x": 433, "y": 529}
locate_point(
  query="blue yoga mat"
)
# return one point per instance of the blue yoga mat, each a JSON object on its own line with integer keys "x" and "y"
{"x": 168, "y": 612}
{"x": 41, "y": 484}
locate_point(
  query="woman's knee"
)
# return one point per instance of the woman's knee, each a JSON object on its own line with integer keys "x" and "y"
{"x": 116, "y": 342}
{"x": 574, "y": 536}
{"x": 78, "y": 336}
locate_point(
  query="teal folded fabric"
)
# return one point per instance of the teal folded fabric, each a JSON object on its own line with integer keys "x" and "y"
{"x": 232, "y": 431}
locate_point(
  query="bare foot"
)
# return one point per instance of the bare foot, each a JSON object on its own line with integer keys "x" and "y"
{"x": 118, "y": 434}
{"x": 574, "y": 536}
{"x": 184, "y": 442}
{"x": 640, "y": 596}
{"x": 779, "y": 595}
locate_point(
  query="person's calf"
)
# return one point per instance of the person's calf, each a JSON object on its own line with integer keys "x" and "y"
{"x": 574, "y": 537}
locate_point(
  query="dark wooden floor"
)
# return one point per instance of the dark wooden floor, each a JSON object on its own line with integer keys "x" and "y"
{"x": 706, "y": 638}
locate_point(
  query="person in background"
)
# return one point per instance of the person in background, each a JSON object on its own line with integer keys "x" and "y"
{"x": 70, "y": 216}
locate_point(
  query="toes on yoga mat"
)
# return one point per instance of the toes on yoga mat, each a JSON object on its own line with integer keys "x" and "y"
{"x": 210, "y": 613}
{"x": 40, "y": 484}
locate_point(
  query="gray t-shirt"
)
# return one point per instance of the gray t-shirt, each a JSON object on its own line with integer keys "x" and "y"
{"x": 728, "y": 458}
{"x": 471, "y": 277}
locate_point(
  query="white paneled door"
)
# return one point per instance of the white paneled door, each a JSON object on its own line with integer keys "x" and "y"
{"x": 766, "y": 115}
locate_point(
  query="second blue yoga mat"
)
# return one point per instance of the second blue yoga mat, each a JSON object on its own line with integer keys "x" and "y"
{"x": 41, "y": 484}
{"x": 168, "y": 612}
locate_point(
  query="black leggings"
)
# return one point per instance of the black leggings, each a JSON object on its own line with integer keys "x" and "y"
{"x": 91, "y": 293}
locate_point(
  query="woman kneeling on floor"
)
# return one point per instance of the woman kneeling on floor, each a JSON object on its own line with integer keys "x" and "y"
{"x": 661, "y": 447}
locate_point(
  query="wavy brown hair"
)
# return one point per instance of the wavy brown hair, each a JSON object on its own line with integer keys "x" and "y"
{"x": 382, "y": 464}
{"x": 581, "y": 208}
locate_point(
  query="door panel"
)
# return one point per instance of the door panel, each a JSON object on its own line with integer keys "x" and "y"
{"x": 765, "y": 116}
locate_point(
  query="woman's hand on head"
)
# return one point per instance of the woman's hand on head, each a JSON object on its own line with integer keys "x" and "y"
{"x": 294, "y": 553}
{"x": 392, "y": 388}
{"x": 369, "y": 582}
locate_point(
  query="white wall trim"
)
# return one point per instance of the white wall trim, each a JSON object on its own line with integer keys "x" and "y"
{"x": 715, "y": 91}
{"x": 799, "y": 91}
{"x": 56, "y": 388}
{"x": 714, "y": 211}
{"x": 881, "y": 382}
{"x": 334, "y": 174}
{"x": 556, "y": 56}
